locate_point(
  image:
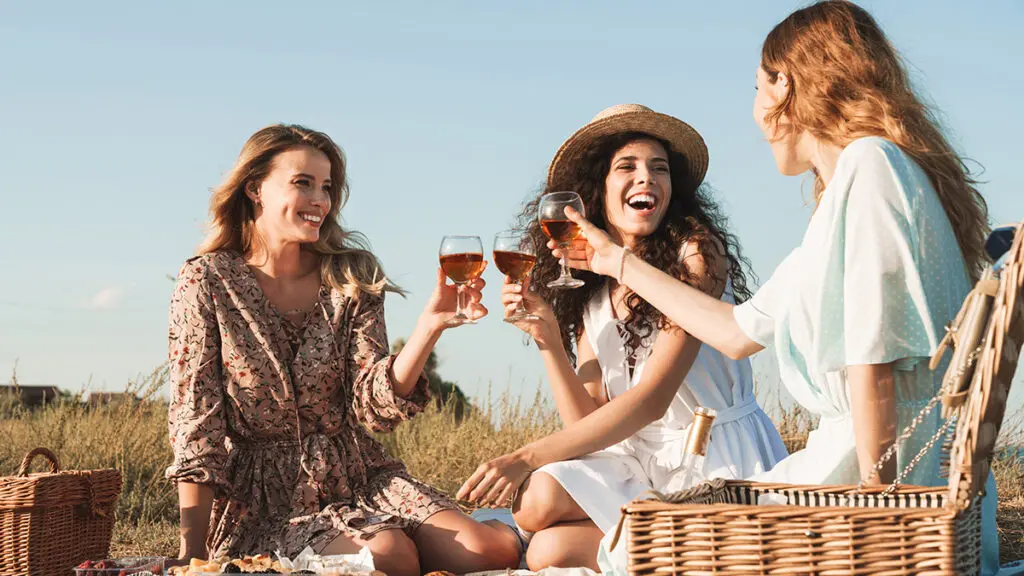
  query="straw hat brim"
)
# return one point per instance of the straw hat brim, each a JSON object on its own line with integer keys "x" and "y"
{"x": 681, "y": 137}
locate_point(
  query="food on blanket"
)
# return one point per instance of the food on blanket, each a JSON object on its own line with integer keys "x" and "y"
{"x": 440, "y": 573}
{"x": 259, "y": 564}
{"x": 142, "y": 566}
{"x": 263, "y": 564}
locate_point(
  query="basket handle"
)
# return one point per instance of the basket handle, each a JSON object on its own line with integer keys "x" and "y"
{"x": 26, "y": 462}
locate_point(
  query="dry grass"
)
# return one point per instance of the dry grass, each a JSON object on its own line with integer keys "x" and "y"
{"x": 133, "y": 439}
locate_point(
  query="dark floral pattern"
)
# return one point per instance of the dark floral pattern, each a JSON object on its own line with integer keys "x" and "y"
{"x": 272, "y": 415}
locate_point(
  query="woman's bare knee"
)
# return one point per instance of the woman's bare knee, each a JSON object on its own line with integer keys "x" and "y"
{"x": 542, "y": 503}
{"x": 394, "y": 553}
{"x": 565, "y": 545}
{"x": 545, "y": 552}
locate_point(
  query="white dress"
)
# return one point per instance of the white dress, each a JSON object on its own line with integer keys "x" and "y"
{"x": 743, "y": 440}
{"x": 877, "y": 276}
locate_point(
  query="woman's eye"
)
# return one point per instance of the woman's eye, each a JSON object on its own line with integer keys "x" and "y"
{"x": 302, "y": 182}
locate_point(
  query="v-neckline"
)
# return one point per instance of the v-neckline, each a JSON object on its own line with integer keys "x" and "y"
{"x": 270, "y": 308}
{"x": 629, "y": 361}
{"x": 611, "y": 304}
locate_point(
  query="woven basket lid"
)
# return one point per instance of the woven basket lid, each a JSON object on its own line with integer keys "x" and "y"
{"x": 981, "y": 415}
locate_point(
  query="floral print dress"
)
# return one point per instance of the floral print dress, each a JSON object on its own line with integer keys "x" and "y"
{"x": 271, "y": 415}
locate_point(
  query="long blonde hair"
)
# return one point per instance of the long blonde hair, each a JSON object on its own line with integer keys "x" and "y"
{"x": 346, "y": 262}
{"x": 847, "y": 81}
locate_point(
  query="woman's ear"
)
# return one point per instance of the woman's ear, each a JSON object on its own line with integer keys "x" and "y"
{"x": 781, "y": 87}
{"x": 253, "y": 192}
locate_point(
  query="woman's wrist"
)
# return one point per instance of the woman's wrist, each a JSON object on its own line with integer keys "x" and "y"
{"x": 430, "y": 325}
{"x": 547, "y": 336}
{"x": 528, "y": 455}
{"x": 623, "y": 253}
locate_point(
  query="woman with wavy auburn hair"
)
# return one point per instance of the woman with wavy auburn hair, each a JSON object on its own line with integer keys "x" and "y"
{"x": 895, "y": 241}
{"x": 279, "y": 358}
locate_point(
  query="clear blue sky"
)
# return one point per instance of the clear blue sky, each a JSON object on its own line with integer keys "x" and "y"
{"x": 118, "y": 117}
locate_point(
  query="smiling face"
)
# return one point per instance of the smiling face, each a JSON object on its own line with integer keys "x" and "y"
{"x": 638, "y": 189}
{"x": 294, "y": 198}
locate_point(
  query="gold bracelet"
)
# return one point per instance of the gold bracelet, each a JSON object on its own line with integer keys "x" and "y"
{"x": 622, "y": 263}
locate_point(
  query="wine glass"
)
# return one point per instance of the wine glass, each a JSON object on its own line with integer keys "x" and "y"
{"x": 560, "y": 229}
{"x": 515, "y": 257}
{"x": 462, "y": 259}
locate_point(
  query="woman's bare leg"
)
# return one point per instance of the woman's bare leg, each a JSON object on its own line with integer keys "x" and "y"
{"x": 565, "y": 545}
{"x": 452, "y": 541}
{"x": 542, "y": 503}
{"x": 394, "y": 553}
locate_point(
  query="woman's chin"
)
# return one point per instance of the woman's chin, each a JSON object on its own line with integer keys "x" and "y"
{"x": 310, "y": 238}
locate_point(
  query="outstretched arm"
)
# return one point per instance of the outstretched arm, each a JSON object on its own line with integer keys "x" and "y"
{"x": 706, "y": 317}
{"x": 670, "y": 360}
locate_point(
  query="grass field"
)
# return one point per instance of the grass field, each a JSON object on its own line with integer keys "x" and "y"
{"x": 132, "y": 437}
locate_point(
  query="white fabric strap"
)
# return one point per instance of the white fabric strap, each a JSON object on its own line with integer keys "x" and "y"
{"x": 730, "y": 414}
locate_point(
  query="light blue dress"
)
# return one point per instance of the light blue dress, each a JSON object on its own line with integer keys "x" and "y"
{"x": 877, "y": 277}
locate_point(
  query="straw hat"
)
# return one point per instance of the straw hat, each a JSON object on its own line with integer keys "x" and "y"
{"x": 632, "y": 118}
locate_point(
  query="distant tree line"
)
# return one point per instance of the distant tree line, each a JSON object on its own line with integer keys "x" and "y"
{"x": 443, "y": 391}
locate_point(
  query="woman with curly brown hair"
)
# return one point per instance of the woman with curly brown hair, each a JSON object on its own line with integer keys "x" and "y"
{"x": 625, "y": 378}
{"x": 896, "y": 239}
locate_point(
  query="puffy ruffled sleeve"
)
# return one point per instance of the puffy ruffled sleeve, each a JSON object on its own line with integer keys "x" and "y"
{"x": 370, "y": 363}
{"x": 197, "y": 426}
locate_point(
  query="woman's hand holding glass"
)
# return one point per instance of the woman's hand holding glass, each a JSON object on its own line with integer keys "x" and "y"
{"x": 443, "y": 301}
{"x": 462, "y": 260}
{"x": 593, "y": 250}
{"x": 542, "y": 326}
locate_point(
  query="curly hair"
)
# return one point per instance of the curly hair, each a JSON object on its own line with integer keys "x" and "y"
{"x": 692, "y": 215}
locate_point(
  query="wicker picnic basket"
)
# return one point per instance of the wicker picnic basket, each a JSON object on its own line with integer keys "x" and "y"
{"x": 51, "y": 522}
{"x": 723, "y": 526}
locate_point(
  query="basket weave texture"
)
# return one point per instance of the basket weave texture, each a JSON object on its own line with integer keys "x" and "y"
{"x": 725, "y": 527}
{"x": 51, "y": 522}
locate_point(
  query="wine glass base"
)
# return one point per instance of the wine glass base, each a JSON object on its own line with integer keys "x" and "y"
{"x": 520, "y": 316}
{"x": 569, "y": 282}
{"x": 459, "y": 320}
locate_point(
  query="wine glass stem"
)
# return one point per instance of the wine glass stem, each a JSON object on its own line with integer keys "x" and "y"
{"x": 458, "y": 300}
{"x": 521, "y": 308}
{"x": 565, "y": 260}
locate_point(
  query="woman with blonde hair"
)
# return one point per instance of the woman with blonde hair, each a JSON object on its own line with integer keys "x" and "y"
{"x": 279, "y": 358}
{"x": 891, "y": 250}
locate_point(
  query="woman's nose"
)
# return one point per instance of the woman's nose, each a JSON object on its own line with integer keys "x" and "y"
{"x": 644, "y": 175}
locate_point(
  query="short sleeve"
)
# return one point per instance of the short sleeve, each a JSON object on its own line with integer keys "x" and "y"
{"x": 196, "y": 421}
{"x": 884, "y": 313}
{"x": 757, "y": 316}
{"x": 370, "y": 362}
